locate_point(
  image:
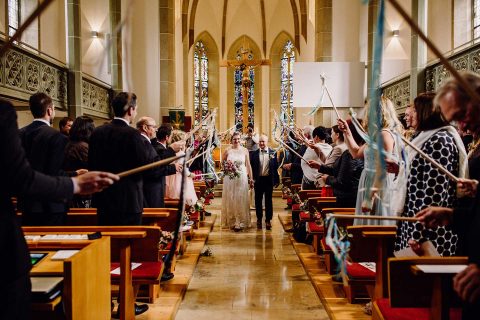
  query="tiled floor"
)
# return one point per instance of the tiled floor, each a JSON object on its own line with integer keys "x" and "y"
{"x": 251, "y": 275}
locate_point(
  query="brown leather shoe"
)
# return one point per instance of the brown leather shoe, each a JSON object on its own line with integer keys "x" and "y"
{"x": 268, "y": 226}
{"x": 259, "y": 225}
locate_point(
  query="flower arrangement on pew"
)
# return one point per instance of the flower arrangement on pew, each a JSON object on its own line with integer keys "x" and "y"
{"x": 286, "y": 192}
{"x": 208, "y": 195}
{"x": 165, "y": 239}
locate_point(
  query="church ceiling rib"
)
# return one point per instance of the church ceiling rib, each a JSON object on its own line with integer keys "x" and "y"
{"x": 303, "y": 16}
{"x": 224, "y": 25}
{"x": 185, "y": 18}
{"x": 264, "y": 29}
{"x": 296, "y": 24}
{"x": 191, "y": 31}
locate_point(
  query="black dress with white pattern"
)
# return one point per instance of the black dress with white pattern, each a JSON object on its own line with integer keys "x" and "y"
{"x": 426, "y": 187}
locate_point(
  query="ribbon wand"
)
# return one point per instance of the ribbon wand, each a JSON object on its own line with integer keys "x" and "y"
{"x": 149, "y": 166}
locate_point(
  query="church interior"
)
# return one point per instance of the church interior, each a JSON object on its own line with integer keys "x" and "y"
{"x": 275, "y": 71}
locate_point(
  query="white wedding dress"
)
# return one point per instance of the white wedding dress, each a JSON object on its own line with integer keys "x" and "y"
{"x": 235, "y": 200}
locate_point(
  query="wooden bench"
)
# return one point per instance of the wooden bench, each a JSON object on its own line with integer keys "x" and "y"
{"x": 369, "y": 244}
{"x": 418, "y": 295}
{"x": 86, "y": 282}
{"x": 128, "y": 244}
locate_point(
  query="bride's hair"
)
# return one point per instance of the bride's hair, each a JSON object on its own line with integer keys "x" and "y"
{"x": 236, "y": 133}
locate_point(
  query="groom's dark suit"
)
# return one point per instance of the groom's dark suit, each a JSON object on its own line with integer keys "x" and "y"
{"x": 264, "y": 179}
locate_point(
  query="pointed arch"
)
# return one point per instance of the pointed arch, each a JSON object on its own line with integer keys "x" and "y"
{"x": 303, "y": 16}
{"x": 257, "y": 77}
{"x": 276, "y": 51}
{"x": 296, "y": 23}
{"x": 212, "y": 54}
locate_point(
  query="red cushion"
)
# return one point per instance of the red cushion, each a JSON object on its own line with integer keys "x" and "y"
{"x": 390, "y": 313}
{"x": 147, "y": 270}
{"x": 315, "y": 228}
{"x": 304, "y": 215}
{"x": 296, "y": 206}
{"x": 327, "y": 191}
{"x": 355, "y": 270}
{"x": 289, "y": 201}
{"x": 325, "y": 245}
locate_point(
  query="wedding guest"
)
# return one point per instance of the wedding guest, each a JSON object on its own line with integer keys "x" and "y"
{"x": 318, "y": 151}
{"x": 381, "y": 206}
{"x": 424, "y": 183}
{"x": 457, "y": 105}
{"x": 65, "y": 125}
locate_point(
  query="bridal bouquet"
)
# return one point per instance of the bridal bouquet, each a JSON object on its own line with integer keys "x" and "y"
{"x": 231, "y": 169}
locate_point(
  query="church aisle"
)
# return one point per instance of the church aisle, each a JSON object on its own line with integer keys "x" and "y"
{"x": 251, "y": 275}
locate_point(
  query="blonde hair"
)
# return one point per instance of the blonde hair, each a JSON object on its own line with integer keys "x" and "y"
{"x": 177, "y": 135}
{"x": 389, "y": 116}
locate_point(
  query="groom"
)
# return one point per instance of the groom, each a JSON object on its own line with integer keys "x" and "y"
{"x": 265, "y": 176}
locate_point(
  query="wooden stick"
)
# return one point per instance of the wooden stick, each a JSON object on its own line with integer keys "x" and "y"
{"x": 35, "y": 14}
{"x": 424, "y": 155}
{"x": 466, "y": 86}
{"x": 363, "y": 216}
{"x": 294, "y": 152}
{"x": 331, "y": 101}
{"x": 149, "y": 166}
{"x": 431, "y": 160}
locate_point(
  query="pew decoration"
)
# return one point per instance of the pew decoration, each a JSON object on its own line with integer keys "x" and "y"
{"x": 337, "y": 239}
{"x": 165, "y": 239}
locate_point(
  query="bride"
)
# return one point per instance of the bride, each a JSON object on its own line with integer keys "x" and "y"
{"x": 235, "y": 200}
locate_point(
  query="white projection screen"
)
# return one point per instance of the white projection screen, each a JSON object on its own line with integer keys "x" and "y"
{"x": 344, "y": 80}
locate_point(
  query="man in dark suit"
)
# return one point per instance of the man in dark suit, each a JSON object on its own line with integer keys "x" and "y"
{"x": 265, "y": 175}
{"x": 17, "y": 178}
{"x": 117, "y": 147}
{"x": 154, "y": 180}
{"x": 44, "y": 147}
{"x": 159, "y": 143}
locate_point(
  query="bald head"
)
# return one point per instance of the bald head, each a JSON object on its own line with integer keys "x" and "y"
{"x": 263, "y": 141}
{"x": 147, "y": 126}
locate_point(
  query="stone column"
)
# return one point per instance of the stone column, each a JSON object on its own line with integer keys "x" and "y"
{"x": 323, "y": 40}
{"x": 74, "y": 59}
{"x": 323, "y": 30}
{"x": 418, "y": 57}
{"x": 116, "y": 46}
{"x": 266, "y": 116}
{"x": 167, "y": 56}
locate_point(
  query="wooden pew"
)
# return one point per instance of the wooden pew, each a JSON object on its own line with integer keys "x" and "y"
{"x": 369, "y": 244}
{"x": 86, "y": 282}
{"x": 418, "y": 295}
{"x": 128, "y": 243}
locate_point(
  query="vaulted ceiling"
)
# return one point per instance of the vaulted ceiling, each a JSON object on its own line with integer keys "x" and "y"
{"x": 248, "y": 15}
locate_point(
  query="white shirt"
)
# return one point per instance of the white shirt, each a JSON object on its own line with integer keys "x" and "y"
{"x": 310, "y": 154}
{"x": 264, "y": 162}
{"x": 42, "y": 120}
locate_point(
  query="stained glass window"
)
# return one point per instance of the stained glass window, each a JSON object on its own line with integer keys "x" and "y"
{"x": 286, "y": 83}
{"x": 13, "y": 16}
{"x": 476, "y": 18}
{"x": 200, "y": 82}
{"x": 238, "y": 99}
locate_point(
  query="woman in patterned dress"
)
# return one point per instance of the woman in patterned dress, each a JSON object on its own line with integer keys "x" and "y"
{"x": 426, "y": 185}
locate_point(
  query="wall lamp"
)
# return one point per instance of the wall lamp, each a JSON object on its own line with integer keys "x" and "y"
{"x": 94, "y": 34}
{"x": 396, "y": 33}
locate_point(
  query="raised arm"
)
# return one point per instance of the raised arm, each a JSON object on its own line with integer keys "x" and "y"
{"x": 355, "y": 150}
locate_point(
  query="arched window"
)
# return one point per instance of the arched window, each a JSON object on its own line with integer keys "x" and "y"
{"x": 238, "y": 99}
{"x": 200, "y": 82}
{"x": 13, "y": 16}
{"x": 475, "y": 19}
{"x": 286, "y": 83}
